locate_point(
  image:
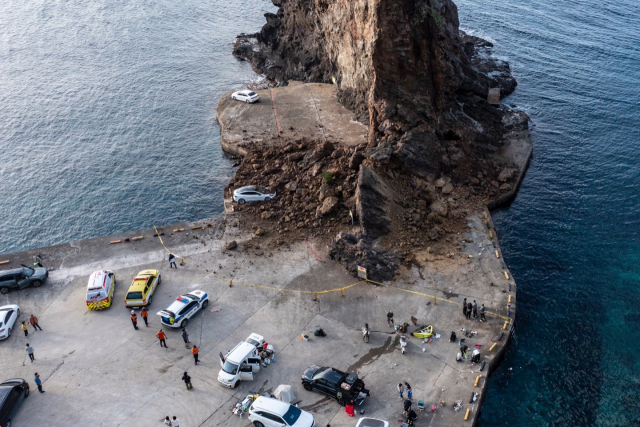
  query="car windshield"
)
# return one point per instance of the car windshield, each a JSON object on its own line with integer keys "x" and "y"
{"x": 251, "y": 93}
{"x": 134, "y": 295}
{"x": 253, "y": 342}
{"x": 192, "y": 297}
{"x": 28, "y": 272}
{"x": 319, "y": 372}
{"x": 292, "y": 415}
{"x": 230, "y": 368}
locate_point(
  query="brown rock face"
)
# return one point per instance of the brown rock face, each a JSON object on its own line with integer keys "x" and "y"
{"x": 401, "y": 65}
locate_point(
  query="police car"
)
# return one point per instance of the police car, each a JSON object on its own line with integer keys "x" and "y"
{"x": 177, "y": 315}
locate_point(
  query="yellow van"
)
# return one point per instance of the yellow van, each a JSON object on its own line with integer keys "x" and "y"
{"x": 142, "y": 288}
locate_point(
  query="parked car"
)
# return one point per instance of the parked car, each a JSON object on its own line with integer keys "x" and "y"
{"x": 8, "y": 317}
{"x": 142, "y": 288}
{"x": 12, "y": 394}
{"x": 239, "y": 365}
{"x": 334, "y": 383}
{"x": 100, "y": 289}
{"x": 20, "y": 278}
{"x": 247, "y": 96}
{"x": 177, "y": 315}
{"x": 269, "y": 412}
{"x": 252, "y": 193}
{"x": 371, "y": 422}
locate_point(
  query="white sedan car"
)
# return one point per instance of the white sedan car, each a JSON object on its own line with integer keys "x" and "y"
{"x": 371, "y": 422}
{"x": 8, "y": 316}
{"x": 177, "y": 315}
{"x": 268, "y": 412}
{"x": 251, "y": 193}
{"x": 247, "y": 96}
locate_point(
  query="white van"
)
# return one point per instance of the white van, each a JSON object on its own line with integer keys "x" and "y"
{"x": 100, "y": 289}
{"x": 239, "y": 364}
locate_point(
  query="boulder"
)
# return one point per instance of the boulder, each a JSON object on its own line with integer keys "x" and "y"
{"x": 355, "y": 161}
{"x": 231, "y": 245}
{"x": 422, "y": 205}
{"x": 448, "y": 188}
{"x": 259, "y": 232}
{"x": 291, "y": 186}
{"x": 505, "y": 187}
{"x": 435, "y": 233}
{"x": 438, "y": 207}
{"x": 440, "y": 183}
{"x": 265, "y": 215}
{"x": 324, "y": 192}
{"x": 505, "y": 175}
{"x": 329, "y": 205}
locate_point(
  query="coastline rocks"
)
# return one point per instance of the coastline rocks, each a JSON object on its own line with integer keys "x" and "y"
{"x": 353, "y": 251}
{"x": 506, "y": 175}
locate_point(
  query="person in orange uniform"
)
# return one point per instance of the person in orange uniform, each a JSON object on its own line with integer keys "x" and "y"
{"x": 134, "y": 319}
{"x": 144, "y": 313}
{"x": 194, "y": 351}
{"x": 162, "y": 337}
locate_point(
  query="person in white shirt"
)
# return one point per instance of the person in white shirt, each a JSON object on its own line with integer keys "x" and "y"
{"x": 175, "y": 422}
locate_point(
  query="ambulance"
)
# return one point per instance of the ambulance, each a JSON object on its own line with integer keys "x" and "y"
{"x": 100, "y": 289}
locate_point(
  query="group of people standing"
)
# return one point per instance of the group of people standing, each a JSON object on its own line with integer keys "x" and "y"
{"x": 409, "y": 413}
{"x": 471, "y": 309}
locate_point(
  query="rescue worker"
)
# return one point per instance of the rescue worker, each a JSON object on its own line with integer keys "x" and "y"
{"x": 144, "y": 313}
{"x": 194, "y": 351}
{"x": 162, "y": 337}
{"x": 24, "y": 328}
{"x": 134, "y": 319}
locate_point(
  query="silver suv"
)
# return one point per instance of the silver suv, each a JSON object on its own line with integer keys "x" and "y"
{"x": 20, "y": 278}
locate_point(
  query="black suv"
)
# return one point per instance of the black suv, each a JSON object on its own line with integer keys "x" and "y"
{"x": 20, "y": 278}
{"x": 342, "y": 387}
{"x": 12, "y": 393}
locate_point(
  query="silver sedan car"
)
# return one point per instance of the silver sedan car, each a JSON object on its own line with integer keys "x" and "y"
{"x": 251, "y": 193}
{"x": 247, "y": 96}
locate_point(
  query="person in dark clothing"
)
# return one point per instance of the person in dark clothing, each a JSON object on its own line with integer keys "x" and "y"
{"x": 187, "y": 380}
{"x": 172, "y": 261}
{"x": 464, "y": 307}
{"x": 407, "y": 405}
{"x": 482, "y": 318}
{"x": 390, "y": 318}
{"x": 475, "y": 309}
{"x": 469, "y": 309}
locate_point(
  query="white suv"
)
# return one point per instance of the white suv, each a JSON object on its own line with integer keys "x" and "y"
{"x": 268, "y": 412}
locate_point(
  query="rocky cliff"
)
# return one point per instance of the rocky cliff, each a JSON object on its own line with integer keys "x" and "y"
{"x": 405, "y": 69}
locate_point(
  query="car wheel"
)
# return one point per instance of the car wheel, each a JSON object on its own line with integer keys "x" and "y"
{"x": 4, "y": 290}
{"x": 258, "y": 424}
{"x": 184, "y": 323}
{"x": 149, "y": 303}
{"x": 205, "y": 304}
{"x": 9, "y": 423}
{"x": 267, "y": 199}
{"x": 159, "y": 279}
{"x": 248, "y": 101}
{"x": 18, "y": 315}
{"x": 36, "y": 283}
{"x": 341, "y": 402}
{"x": 234, "y": 98}
{"x": 307, "y": 386}
{"x": 26, "y": 393}
{"x": 240, "y": 201}
{"x": 235, "y": 384}
{"x": 9, "y": 332}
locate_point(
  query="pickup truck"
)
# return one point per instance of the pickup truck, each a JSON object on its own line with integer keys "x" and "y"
{"x": 338, "y": 385}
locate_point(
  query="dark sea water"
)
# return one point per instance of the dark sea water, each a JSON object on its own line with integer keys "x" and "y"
{"x": 572, "y": 236}
{"x": 107, "y": 124}
{"x": 107, "y": 113}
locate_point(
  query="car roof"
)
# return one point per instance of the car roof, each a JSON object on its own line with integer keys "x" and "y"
{"x": 331, "y": 375}
{"x": 8, "y": 307}
{"x": 98, "y": 279}
{"x": 371, "y": 422}
{"x": 239, "y": 352}
{"x": 246, "y": 188}
{"x": 12, "y": 382}
{"x": 245, "y": 91}
{"x": 12, "y": 271}
{"x": 273, "y": 405}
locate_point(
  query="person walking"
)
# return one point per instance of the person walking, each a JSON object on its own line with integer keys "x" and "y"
{"x": 167, "y": 422}
{"x": 482, "y": 318}
{"x": 24, "y": 328}
{"x": 409, "y": 390}
{"x": 172, "y": 261}
{"x": 175, "y": 421}
{"x": 162, "y": 337}
{"x": 145, "y": 313}
{"x": 36, "y": 378}
{"x": 185, "y": 338}
{"x": 187, "y": 380}
{"x": 390, "y": 318}
{"x": 469, "y": 309}
{"x": 475, "y": 309}
{"x": 33, "y": 320}
{"x": 464, "y": 307}
{"x": 29, "y": 351}
{"x": 134, "y": 319}
{"x": 401, "y": 391}
{"x": 194, "y": 351}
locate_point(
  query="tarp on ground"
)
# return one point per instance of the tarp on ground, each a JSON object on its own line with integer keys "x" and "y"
{"x": 284, "y": 393}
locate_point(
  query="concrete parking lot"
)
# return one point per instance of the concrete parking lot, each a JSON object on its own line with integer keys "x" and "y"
{"x": 99, "y": 371}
